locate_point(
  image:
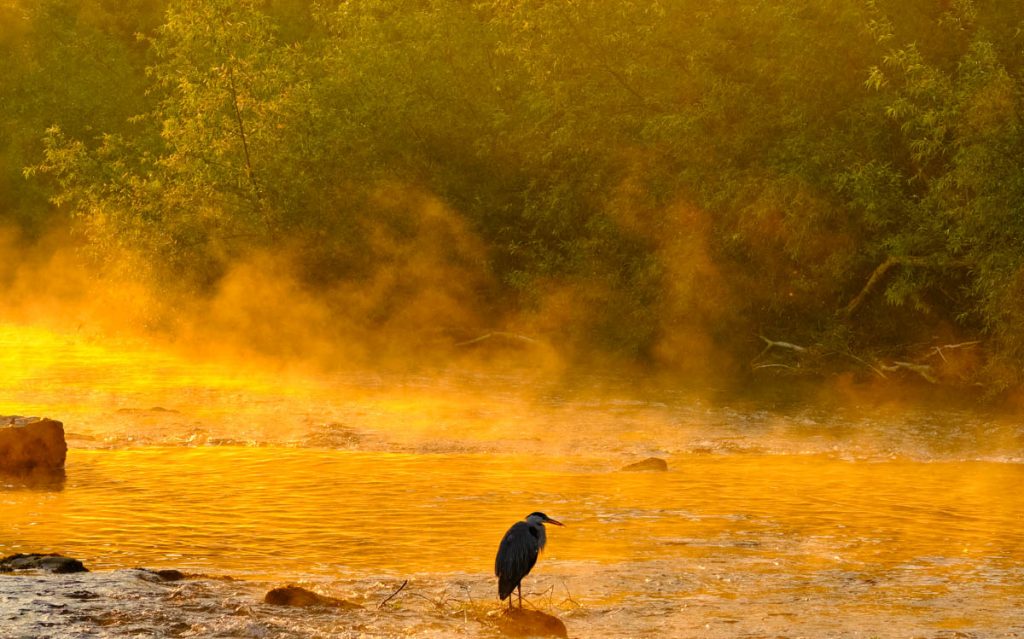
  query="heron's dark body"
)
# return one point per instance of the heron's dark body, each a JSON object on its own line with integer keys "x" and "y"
{"x": 517, "y": 555}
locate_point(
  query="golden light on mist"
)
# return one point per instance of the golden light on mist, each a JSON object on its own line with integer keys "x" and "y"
{"x": 336, "y": 294}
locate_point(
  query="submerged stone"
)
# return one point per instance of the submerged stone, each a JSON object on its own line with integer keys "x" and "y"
{"x": 31, "y": 445}
{"x": 52, "y": 562}
{"x": 651, "y": 463}
{"x": 300, "y": 597}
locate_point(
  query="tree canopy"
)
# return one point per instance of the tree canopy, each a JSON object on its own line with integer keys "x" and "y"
{"x": 671, "y": 184}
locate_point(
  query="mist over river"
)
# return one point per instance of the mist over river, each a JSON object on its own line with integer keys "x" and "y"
{"x": 823, "y": 520}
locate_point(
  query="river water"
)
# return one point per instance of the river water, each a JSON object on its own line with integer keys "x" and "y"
{"x": 808, "y": 521}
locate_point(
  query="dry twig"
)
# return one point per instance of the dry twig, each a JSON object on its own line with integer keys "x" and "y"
{"x": 568, "y": 596}
{"x": 392, "y": 595}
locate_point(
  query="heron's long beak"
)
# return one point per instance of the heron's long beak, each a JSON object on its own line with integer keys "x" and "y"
{"x": 552, "y": 521}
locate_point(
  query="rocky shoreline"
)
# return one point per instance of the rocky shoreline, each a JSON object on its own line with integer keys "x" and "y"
{"x": 50, "y": 595}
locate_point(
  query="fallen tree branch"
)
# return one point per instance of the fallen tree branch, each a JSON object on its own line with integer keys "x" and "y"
{"x": 924, "y": 370}
{"x": 938, "y": 350}
{"x": 770, "y": 344}
{"x": 773, "y": 343}
{"x": 786, "y": 366}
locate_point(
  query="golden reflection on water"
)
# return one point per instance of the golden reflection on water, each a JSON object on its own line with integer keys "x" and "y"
{"x": 248, "y": 510}
{"x": 761, "y": 520}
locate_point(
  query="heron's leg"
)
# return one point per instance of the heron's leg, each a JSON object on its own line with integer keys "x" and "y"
{"x": 520, "y": 589}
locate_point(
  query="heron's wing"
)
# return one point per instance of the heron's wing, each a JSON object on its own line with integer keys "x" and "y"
{"x": 517, "y": 555}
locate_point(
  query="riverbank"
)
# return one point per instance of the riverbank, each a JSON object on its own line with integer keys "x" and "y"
{"x": 39, "y": 599}
{"x": 718, "y": 601}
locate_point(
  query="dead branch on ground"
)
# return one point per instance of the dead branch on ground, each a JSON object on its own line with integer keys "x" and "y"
{"x": 493, "y": 334}
{"x": 777, "y": 344}
{"x": 924, "y": 370}
{"x": 940, "y": 350}
{"x": 786, "y": 366}
{"x": 771, "y": 343}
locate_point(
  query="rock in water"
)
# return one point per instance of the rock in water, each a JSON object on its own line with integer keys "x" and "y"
{"x": 31, "y": 445}
{"x": 296, "y": 596}
{"x": 170, "y": 575}
{"x": 530, "y": 623}
{"x": 158, "y": 576}
{"x": 651, "y": 463}
{"x": 52, "y": 562}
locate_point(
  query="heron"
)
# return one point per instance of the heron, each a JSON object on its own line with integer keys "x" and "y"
{"x": 518, "y": 552}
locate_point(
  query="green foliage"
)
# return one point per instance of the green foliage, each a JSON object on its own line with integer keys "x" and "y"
{"x": 722, "y": 170}
{"x": 960, "y": 120}
{"x": 63, "y": 60}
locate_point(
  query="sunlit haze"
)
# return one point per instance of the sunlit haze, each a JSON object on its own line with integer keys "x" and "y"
{"x": 334, "y": 295}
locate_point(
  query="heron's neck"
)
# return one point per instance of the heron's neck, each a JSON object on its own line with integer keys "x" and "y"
{"x": 542, "y": 537}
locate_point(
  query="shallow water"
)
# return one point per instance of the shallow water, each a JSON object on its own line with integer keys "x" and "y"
{"x": 806, "y": 522}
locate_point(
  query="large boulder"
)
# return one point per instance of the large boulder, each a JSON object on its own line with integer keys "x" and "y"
{"x": 31, "y": 445}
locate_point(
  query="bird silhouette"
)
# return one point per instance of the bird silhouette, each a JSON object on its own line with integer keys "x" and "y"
{"x": 518, "y": 553}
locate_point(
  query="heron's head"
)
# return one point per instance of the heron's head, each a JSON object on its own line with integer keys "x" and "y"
{"x": 541, "y": 518}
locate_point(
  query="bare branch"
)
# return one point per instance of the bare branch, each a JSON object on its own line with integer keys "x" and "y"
{"x": 513, "y": 336}
{"x": 939, "y": 350}
{"x": 790, "y": 346}
{"x": 876, "y": 277}
{"x": 759, "y": 366}
{"x": 392, "y": 595}
{"x": 880, "y": 272}
{"x": 568, "y": 596}
{"x": 241, "y": 132}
